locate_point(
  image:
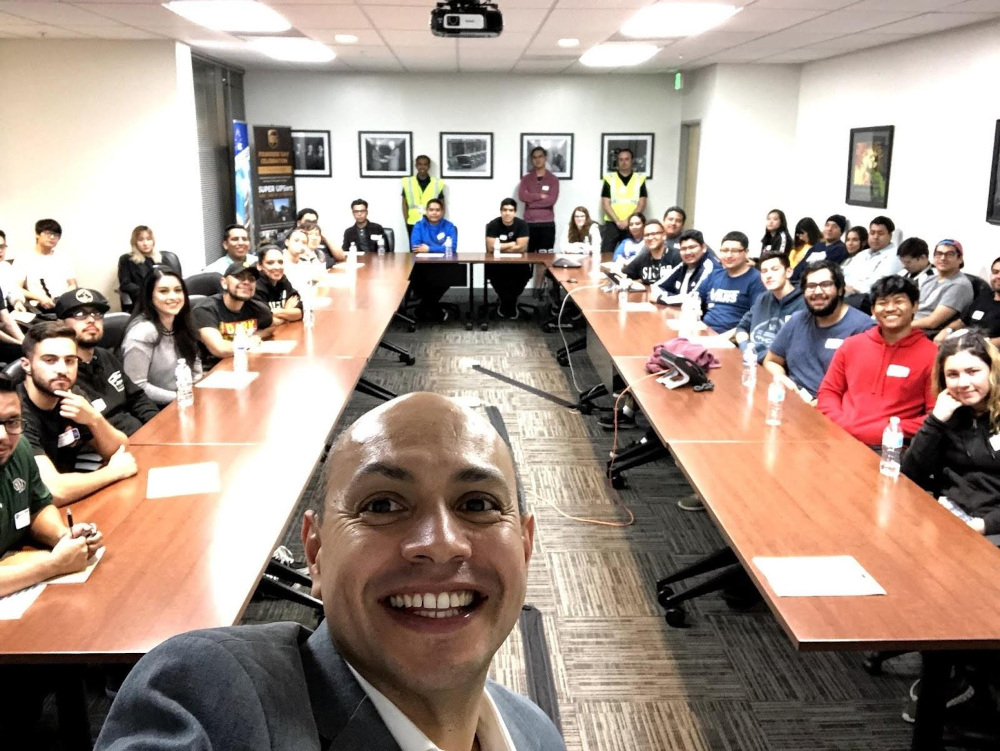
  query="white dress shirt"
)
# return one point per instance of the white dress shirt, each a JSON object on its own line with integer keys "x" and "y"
{"x": 868, "y": 266}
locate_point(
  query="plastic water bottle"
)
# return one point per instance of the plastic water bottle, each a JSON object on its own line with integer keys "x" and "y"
{"x": 241, "y": 347}
{"x": 595, "y": 261}
{"x": 381, "y": 245}
{"x": 775, "y": 402}
{"x": 308, "y": 313}
{"x": 892, "y": 447}
{"x": 496, "y": 245}
{"x": 447, "y": 245}
{"x": 185, "y": 389}
{"x": 352, "y": 255}
{"x": 750, "y": 366}
{"x": 690, "y": 313}
{"x": 623, "y": 288}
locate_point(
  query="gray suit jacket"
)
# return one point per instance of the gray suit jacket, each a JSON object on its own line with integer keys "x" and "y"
{"x": 278, "y": 687}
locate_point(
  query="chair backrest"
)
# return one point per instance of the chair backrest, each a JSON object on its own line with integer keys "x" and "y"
{"x": 205, "y": 283}
{"x": 390, "y": 239}
{"x": 14, "y": 371}
{"x": 979, "y": 285}
{"x": 114, "y": 331}
{"x": 195, "y": 299}
{"x": 127, "y": 302}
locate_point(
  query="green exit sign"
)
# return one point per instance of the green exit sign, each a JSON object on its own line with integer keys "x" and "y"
{"x": 678, "y": 81}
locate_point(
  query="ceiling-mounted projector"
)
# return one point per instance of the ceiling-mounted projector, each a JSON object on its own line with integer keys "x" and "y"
{"x": 466, "y": 18}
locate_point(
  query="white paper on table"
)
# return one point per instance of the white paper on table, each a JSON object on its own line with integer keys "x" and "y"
{"x": 183, "y": 479}
{"x": 712, "y": 342}
{"x": 321, "y": 302}
{"x": 276, "y": 347}
{"x": 636, "y": 307}
{"x": 226, "y": 379}
{"x": 14, "y": 605}
{"x": 80, "y": 576}
{"x": 427, "y": 253}
{"x": 507, "y": 255}
{"x": 818, "y": 576}
{"x": 337, "y": 281}
{"x": 23, "y": 316}
{"x": 676, "y": 324}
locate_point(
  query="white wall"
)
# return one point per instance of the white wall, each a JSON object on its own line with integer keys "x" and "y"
{"x": 504, "y": 105}
{"x": 941, "y": 94}
{"x": 101, "y": 136}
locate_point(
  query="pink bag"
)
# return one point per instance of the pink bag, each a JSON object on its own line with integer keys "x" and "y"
{"x": 685, "y": 348}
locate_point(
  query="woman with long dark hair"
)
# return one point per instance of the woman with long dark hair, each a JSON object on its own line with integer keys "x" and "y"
{"x": 776, "y": 236}
{"x": 806, "y": 235}
{"x": 159, "y": 333}
{"x": 582, "y": 234}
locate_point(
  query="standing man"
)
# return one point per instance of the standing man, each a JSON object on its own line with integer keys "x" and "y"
{"x": 947, "y": 294}
{"x": 236, "y": 243}
{"x": 772, "y": 310}
{"x": 868, "y": 266}
{"x": 364, "y": 234}
{"x": 43, "y": 274}
{"x": 539, "y": 191}
{"x": 216, "y": 318}
{"x": 649, "y": 265}
{"x": 623, "y": 193}
{"x": 508, "y": 234}
{"x": 730, "y": 292}
{"x": 418, "y": 190}
{"x": 831, "y": 248}
{"x": 434, "y": 234}
{"x": 99, "y": 371}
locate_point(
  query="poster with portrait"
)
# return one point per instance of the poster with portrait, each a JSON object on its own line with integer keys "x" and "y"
{"x": 641, "y": 146}
{"x": 993, "y": 200}
{"x": 311, "y": 150}
{"x": 559, "y": 148}
{"x": 275, "y": 168}
{"x": 868, "y": 160}
{"x": 385, "y": 153}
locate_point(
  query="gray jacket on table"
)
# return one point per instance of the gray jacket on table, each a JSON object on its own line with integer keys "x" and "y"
{"x": 279, "y": 687}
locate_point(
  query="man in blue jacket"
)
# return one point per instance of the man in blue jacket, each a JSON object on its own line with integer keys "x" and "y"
{"x": 764, "y": 320}
{"x": 434, "y": 234}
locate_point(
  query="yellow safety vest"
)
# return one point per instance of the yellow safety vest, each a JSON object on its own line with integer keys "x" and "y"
{"x": 624, "y": 198}
{"x": 417, "y": 199}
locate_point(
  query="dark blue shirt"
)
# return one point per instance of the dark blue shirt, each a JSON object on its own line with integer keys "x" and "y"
{"x": 727, "y": 298}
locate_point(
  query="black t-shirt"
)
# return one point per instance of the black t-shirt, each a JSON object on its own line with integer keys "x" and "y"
{"x": 274, "y": 296}
{"x": 507, "y": 234}
{"x": 113, "y": 394}
{"x": 984, "y": 313}
{"x": 364, "y": 237}
{"x": 606, "y": 189}
{"x": 647, "y": 269}
{"x": 212, "y": 313}
{"x": 43, "y": 427}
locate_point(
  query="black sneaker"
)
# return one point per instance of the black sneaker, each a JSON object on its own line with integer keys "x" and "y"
{"x": 625, "y": 422}
{"x": 959, "y": 692}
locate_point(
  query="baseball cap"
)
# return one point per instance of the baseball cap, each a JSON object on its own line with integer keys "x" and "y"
{"x": 953, "y": 243}
{"x": 238, "y": 267}
{"x": 81, "y": 297}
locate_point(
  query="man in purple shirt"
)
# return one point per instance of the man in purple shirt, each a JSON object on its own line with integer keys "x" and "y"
{"x": 539, "y": 191}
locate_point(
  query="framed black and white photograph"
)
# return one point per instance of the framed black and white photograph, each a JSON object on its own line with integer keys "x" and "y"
{"x": 641, "y": 146}
{"x": 467, "y": 155}
{"x": 560, "y": 152}
{"x": 385, "y": 154}
{"x": 311, "y": 152}
{"x": 993, "y": 203}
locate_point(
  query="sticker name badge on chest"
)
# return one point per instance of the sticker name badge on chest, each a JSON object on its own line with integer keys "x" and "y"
{"x": 68, "y": 437}
{"x": 22, "y": 519}
{"x": 995, "y": 442}
{"x": 978, "y": 315}
{"x": 545, "y": 187}
{"x": 834, "y": 343}
{"x": 897, "y": 371}
{"x": 440, "y": 235}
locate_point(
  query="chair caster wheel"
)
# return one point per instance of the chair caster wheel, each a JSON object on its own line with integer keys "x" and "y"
{"x": 872, "y": 664}
{"x": 548, "y": 329}
{"x": 663, "y": 595}
{"x": 564, "y": 361}
{"x": 676, "y": 618}
{"x": 412, "y": 328}
{"x": 484, "y": 327}
{"x": 468, "y": 326}
{"x": 407, "y": 359}
{"x": 585, "y": 409}
{"x": 618, "y": 482}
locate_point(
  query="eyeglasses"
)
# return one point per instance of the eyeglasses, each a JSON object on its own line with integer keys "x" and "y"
{"x": 652, "y": 234}
{"x": 813, "y": 286}
{"x": 949, "y": 254}
{"x": 13, "y": 425}
{"x": 83, "y": 314}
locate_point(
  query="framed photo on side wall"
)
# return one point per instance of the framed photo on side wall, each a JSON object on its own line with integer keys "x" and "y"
{"x": 385, "y": 153}
{"x": 869, "y": 158}
{"x": 993, "y": 205}
{"x": 311, "y": 152}
{"x": 641, "y": 146}
{"x": 560, "y": 152}
{"x": 467, "y": 155}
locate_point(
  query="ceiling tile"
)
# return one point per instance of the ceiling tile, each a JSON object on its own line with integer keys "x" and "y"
{"x": 485, "y": 48}
{"x": 629, "y": 4}
{"x": 571, "y": 23}
{"x": 929, "y": 22}
{"x": 803, "y": 55}
{"x": 323, "y": 17}
{"x": 387, "y": 65}
{"x": 137, "y": 14}
{"x": 910, "y": 6}
{"x": 399, "y": 17}
{"x": 363, "y": 52}
{"x": 56, "y": 14}
{"x": 766, "y": 19}
{"x": 976, "y": 6}
{"x": 522, "y": 19}
{"x": 365, "y": 36}
{"x": 405, "y": 38}
{"x": 849, "y": 21}
{"x": 542, "y": 66}
{"x": 116, "y": 32}
{"x": 804, "y": 4}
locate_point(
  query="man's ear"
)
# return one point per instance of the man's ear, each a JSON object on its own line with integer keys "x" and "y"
{"x": 312, "y": 544}
{"x": 528, "y": 535}
{"x": 26, "y": 365}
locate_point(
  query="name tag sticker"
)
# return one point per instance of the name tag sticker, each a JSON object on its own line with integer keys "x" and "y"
{"x": 897, "y": 371}
{"x": 834, "y": 343}
{"x": 545, "y": 187}
{"x": 99, "y": 404}
{"x": 819, "y": 255}
{"x": 977, "y": 315}
{"x": 440, "y": 235}
{"x": 68, "y": 437}
{"x": 995, "y": 442}
{"x": 22, "y": 519}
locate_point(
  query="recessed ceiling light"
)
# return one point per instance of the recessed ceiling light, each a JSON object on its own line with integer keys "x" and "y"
{"x": 677, "y": 19}
{"x": 345, "y": 39}
{"x": 230, "y": 15}
{"x": 293, "y": 49}
{"x": 569, "y": 42}
{"x": 618, "y": 54}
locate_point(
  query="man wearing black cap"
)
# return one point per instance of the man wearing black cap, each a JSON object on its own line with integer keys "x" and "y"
{"x": 832, "y": 247}
{"x": 99, "y": 371}
{"x": 217, "y": 318}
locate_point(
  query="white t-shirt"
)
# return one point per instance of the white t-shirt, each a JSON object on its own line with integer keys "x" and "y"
{"x": 44, "y": 274}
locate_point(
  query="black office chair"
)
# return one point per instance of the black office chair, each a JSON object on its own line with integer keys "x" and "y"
{"x": 114, "y": 331}
{"x": 390, "y": 239}
{"x": 127, "y": 302}
{"x": 14, "y": 371}
{"x": 206, "y": 283}
{"x": 195, "y": 299}
{"x": 979, "y": 285}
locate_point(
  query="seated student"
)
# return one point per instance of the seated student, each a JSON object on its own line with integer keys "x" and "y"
{"x": 630, "y": 246}
{"x": 803, "y": 348}
{"x": 884, "y": 372}
{"x": 983, "y": 313}
{"x": 134, "y": 267}
{"x": 508, "y": 234}
{"x": 914, "y": 255}
{"x": 12, "y": 297}
{"x": 728, "y": 294}
{"x": 776, "y": 235}
{"x": 806, "y": 236}
{"x": 868, "y": 266}
{"x": 99, "y": 371}
{"x": 236, "y": 243}
{"x": 855, "y": 241}
{"x": 302, "y": 267}
{"x": 831, "y": 248}
{"x": 216, "y": 318}
{"x": 582, "y": 235}
{"x": 696, "y": 265}
{"x": 11, "y": 335}
{"x": 947, "y": 294}
{"x": 59, "y": 421}
{"x": 44, "y": 274}
{"x": 273, "y": 288}
{"x": 673, "y": 224}
{"x": 772, "y": 309}
{"x": 364, "y": 234}
{"x": 650, "y": 266}
{"x": 433, "y": 234}
{"x": 158, "y": 334}
{"x": 326, "y": 251}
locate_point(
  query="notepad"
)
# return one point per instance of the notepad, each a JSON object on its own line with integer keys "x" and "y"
{"x": 13, "y": 606}
{"x": 80, "y": 577}
{"x": 818, "y": 576}
{"x": 712, "y": 342}
{"x": 183, "y": 479}
{"x": 676, "y": 324}
{"x": 508, "y": 255}
{"x": 276, "y": 347}
{"x": 226, "y": 379}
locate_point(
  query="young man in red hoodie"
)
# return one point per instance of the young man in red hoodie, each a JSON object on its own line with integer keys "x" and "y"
{"x": 884, "y": 372}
